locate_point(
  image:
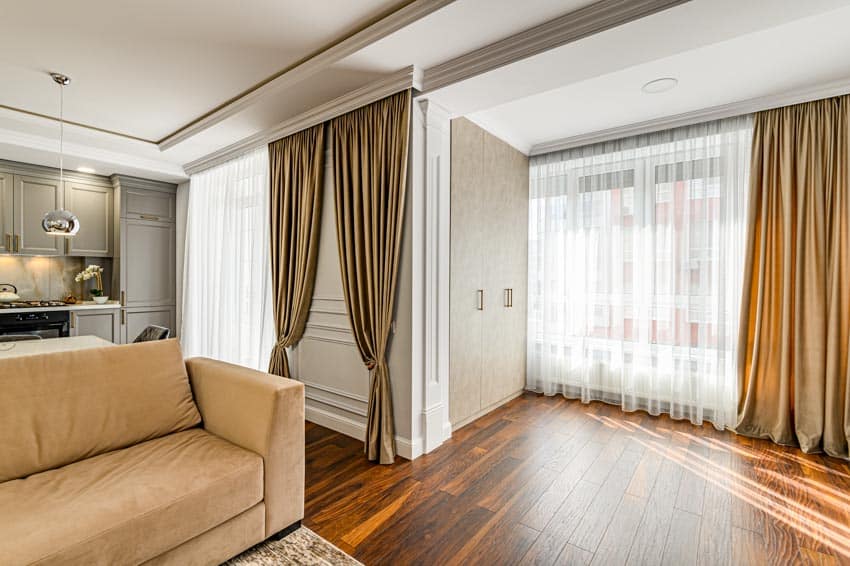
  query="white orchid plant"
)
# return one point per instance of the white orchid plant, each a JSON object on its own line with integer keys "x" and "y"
{"x": 92, "y": 272}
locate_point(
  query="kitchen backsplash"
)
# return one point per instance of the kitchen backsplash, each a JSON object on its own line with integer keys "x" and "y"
{"x": 49, "y": 277}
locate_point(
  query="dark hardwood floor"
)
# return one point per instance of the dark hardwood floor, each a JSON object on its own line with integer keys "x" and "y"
{"x": 545, "y": 480}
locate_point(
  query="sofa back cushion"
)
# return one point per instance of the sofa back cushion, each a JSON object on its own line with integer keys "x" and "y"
{"x": 59, "y": 408}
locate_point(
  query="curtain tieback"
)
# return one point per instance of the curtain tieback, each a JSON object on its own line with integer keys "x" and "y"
{"x": 371, "y": 364}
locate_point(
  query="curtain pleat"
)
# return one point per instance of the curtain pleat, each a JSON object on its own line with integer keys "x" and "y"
{"x": 296, "y": 167}
{"x": 370, "y": 176}
{"x": 795, "y": 320}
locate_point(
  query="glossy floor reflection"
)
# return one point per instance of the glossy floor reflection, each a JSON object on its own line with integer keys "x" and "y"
{"x": 551, "y": 481}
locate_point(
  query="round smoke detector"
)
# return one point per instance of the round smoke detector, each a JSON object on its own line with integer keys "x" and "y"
{"x": 660, "y": 85}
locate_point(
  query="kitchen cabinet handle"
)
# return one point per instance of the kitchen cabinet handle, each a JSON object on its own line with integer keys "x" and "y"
{"x": 481, "y": 299}
{"x": 509, "y": 298}
{"x": 73, "y": 320}
{"x": 123, "y": 299}
{"x": 17, "y": 242}
{"x": 148, "y": 217}
{"x": 9, "y": 243}
{"x": 123, "y": 317}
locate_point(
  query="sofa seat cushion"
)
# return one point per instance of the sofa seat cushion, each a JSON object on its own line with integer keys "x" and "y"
{"x": 128, "y": 506}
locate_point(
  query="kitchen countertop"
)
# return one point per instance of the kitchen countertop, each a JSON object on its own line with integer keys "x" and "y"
{"x": 50, "y": 345}
{"x": 82, "y": 306}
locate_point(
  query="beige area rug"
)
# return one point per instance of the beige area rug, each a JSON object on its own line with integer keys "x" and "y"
{"x": 301, "y": 547}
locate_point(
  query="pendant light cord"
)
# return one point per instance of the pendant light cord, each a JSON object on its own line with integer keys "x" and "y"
{"x": 61, "y": 135}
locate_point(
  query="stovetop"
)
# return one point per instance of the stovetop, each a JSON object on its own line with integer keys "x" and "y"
{"x": 32, "y": 304}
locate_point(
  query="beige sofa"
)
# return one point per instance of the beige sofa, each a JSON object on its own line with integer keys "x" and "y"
{"x": 129, "y": 455}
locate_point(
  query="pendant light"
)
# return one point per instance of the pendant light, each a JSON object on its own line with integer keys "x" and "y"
{"x": 61, "y": 222}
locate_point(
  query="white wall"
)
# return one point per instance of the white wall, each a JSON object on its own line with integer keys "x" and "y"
{"x": 327, "y": 361}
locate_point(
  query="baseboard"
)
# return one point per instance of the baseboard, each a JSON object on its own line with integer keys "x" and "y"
{"x": 405, "y": 447}
{"x": 485, "y": 410}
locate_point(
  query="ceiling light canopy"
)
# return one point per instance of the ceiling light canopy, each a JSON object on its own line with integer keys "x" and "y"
{"x": 660, "y": 85}
{"x": 61, "y": 222}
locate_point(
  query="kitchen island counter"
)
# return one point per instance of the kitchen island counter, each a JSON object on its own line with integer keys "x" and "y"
{"x": 50, "y": 345}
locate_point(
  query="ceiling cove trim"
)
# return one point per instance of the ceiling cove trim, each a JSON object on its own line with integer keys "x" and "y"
{"x": 399, "y": 19}
{"x": 106, "y": 156}
{"x": 409, "y": 77}
{"x": 575, "y": 25}
{"x": 739, "y": 108}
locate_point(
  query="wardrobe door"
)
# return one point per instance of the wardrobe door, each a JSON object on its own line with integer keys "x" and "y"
{"x": 505, "y": 252}
{"x": 468, "y": 234}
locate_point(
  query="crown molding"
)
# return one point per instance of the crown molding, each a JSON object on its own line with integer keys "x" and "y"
{"x": 113, "y": 158}
{"x": 409, "y": 77}
{"x": 399, "y": 19}
{"x": 576, "y": 25}
{"x": 739, "y": 108}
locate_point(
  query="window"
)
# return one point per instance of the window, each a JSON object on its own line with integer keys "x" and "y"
{"x": 635, "y": 262}
{"x": 227, "y": 313}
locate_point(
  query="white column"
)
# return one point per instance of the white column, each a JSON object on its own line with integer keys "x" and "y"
{"x": 431, "y": 175}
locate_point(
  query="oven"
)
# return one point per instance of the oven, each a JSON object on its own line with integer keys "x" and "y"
{"x": 34, "y": 325}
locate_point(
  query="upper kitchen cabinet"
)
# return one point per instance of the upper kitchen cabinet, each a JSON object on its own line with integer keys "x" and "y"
{"x": 6, "y": 231}
{"x": 32, "y": 198}
{"x": 145, "y": 200}
{"x": 28, "y": 192}
{"x": 93, "y": 206}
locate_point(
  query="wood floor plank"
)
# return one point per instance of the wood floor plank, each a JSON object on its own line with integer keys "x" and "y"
{"x": 545, "y": 480}
{"x": 619, "y": 537}
{"x": 681, "y": 547}
{"x": 593, "y": 524}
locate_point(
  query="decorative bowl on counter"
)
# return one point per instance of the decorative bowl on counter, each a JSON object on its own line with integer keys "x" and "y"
{"x": 100, "y": 299}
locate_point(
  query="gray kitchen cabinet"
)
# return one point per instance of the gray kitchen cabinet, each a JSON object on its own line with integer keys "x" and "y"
{"x": 32, "y": 198}
{"x": 146, "y": 245}
{"x": 145, "y": 204}
{"x": 102, "y": 323}
{"x": 6, "y": 217}
{"x": 148, "y": 251}
{"x": 92, "y": 204}
{"x": 138, "y": 318}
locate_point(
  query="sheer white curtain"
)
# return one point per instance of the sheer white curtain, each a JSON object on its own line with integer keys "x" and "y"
{"x": 227, "y": 308}
{"x": 636, "y": 251}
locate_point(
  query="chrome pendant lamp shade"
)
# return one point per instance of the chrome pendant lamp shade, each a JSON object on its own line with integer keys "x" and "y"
{"x": 61, "y": 222}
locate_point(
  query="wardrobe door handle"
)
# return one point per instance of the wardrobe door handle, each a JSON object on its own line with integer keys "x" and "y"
{"x": 73, "y": 320}
{"x": 481, "y": 299}
{"x": 17, "y": 242}
{"x": 9, "y": 243}
{"x": 509, "y": 298}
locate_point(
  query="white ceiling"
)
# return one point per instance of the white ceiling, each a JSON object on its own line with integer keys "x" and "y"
{"x": 147, "y": 69}
{"x": 768, "y": 47}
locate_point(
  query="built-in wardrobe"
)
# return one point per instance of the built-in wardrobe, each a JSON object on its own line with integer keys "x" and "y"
{"x": 489, "y": 262}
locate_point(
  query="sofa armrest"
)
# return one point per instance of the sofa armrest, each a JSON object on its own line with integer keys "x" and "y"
{"x": 265, "y": 414}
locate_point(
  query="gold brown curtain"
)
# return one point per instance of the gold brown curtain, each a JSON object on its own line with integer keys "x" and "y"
{"x": 370, "y": 177}
{"x": 296, "y": 167}
{"x": 796, "y": 313}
